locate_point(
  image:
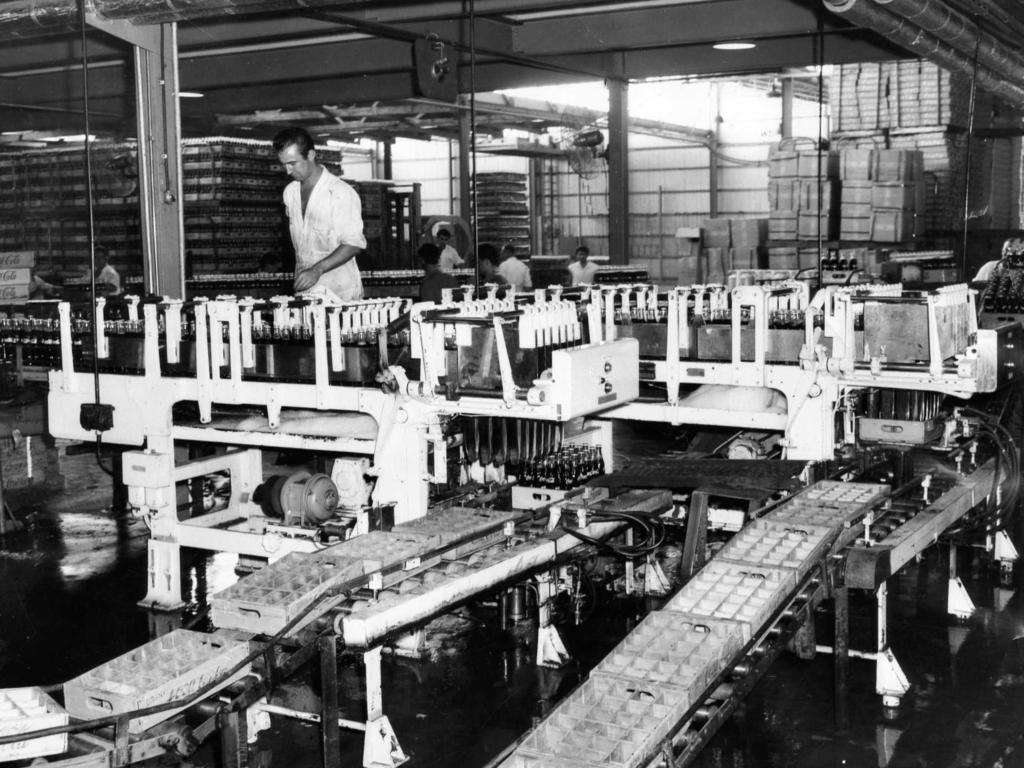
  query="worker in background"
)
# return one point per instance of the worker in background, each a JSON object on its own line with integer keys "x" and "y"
{"x": 582, "y": 271}
{"x": 450, "y": 258}
{"x": 434, "y": 280}
{"x": 985, "y": 273}
{"x": 488, "y": 262}
{"x": 515, "y": 272}
{"x": 107, "y": 276}
{"x": 324, "y": 217}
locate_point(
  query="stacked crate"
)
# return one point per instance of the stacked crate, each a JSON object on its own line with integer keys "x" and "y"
{"x": 233, "y": 210}
{"x": 43, "y": 206}
{"x": 503, "y": 211}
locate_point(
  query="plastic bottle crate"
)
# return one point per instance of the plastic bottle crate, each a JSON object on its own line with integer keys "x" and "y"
{"x": 456, "y": 523}
{"x": 166, "y": 669}
{"x": 773, "y": 544}
{"x": 672, "y": 648}
{"x": 30, "y": 709}
{"x": 267, "y": 600}
{"x": 741, "y": 592}
{"x": 608, "y": 722}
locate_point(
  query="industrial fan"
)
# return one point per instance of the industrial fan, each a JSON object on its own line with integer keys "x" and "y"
{"x": 583, "y": 147}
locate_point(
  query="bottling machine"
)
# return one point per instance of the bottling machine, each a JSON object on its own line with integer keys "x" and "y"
{"x": 415, "y": 410}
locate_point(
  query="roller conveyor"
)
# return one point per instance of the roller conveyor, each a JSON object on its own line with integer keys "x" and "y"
{"x": 733, "y": 600}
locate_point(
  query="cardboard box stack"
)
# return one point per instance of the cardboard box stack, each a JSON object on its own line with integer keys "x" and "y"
{"x": 16, "y": 275}
{"x": 883, "y": 195}
{"x": 917, "y": 105}
{"x": 729, "y": 244}
{"x": 800, "y": 203}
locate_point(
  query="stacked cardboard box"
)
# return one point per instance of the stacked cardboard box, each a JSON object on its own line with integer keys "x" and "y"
{"x": 802, "y": 194}
{"x": 905, "y": 94}
{"x": 916, "y": 105}
{"x": 729, "y": 244}
{"x": 883, "y": 195}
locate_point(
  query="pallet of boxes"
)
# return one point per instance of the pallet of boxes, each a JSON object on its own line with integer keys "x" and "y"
{"x": 16, "y": 275}
{"x": 803, "y": 200}
{"x": 883, "y": 205}
{"x": 731, "y": 244}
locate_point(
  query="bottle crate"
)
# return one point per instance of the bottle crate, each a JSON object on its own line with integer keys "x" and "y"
{"x": 30, "y": 709}
{"x": 169, "y": 668}
{"x": 609, "y": 722}
{"x": 672, "y": 648}
{"x": 772, "y": 544}
{"x": 741, "y": 592}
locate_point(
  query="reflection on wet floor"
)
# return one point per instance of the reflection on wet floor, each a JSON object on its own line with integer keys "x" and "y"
{"x": 71, "y": 583}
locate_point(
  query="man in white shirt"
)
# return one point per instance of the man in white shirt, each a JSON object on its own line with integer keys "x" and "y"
{"x": 514, "y": 272}
{"x": 450, "y": 258}
{"x": 324, "y": 217}
{"x": 582, "y": 271}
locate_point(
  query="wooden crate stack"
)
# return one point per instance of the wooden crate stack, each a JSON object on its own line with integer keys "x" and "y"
{"x": 16, "y": 275}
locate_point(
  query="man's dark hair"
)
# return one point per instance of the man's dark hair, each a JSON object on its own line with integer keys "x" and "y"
{"x": 429, "y": 253}
{"x": 296, "y": 135}
{"x": 583, "y": 249}
{"x": 442, "y": 232}
{"x": 507, "y": 251}
{"x": 487, "y": 252}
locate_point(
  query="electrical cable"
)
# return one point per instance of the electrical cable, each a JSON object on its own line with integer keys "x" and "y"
{"x": 652, "y": 533}
{"x": 91, "y": 220}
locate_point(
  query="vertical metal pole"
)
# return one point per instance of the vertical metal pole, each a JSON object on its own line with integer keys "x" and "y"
{"x": 786, "y": 129}
{"x": 713, "y": 155}
{"x": 618, "y": 171}
{"x": 159, "y": 132}
{"x": 388, "y": 161}
{"x": 330, "y": 735}
{"x": 374, "y": 696}
{"x": 842, "y": 655}
{"x": 465, "y": 208}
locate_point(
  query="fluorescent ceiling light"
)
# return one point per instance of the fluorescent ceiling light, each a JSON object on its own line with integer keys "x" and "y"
{"x": 190, "y": 95}
{"x": 733, "y": 46}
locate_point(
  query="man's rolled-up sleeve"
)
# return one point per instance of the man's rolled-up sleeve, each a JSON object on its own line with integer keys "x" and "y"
{"x": 347, "y": 217}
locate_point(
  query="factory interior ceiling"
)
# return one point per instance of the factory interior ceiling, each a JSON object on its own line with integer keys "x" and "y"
{"x": 391, "y": 68}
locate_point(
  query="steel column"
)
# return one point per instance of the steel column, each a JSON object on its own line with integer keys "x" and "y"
{"x": 159, "y": 132}
{"x": 330, "y": 736}
{"x": 618, "y": 171}
{"x": 842, "y": 655}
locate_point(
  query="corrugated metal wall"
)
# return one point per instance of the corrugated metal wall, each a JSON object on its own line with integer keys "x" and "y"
{"x": 669, "y": 179}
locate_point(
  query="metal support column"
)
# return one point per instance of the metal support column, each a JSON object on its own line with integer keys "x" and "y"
{"x": 158, "y": 123}
{"x": 842, "y": 655}
{"x": 159, "y": 130}
{"x": 536, "y": 205}
{"x": 330, "y": 736}
{"x": 618, "y": 171}
{"x": 787, "y": 108}
{"x": 465, "y": 172}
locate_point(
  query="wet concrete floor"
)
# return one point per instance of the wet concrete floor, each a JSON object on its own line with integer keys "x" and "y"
{"x": 69, "y": 586}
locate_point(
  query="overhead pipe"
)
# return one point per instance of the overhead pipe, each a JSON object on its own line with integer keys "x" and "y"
{"x": 868, "y": 14}
{"x": 34, "y": 18}
{"x": 954, "y": 28}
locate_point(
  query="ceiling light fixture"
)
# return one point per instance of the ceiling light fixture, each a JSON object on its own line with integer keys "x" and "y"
{"x": 190, "y": 95}
{"x": 734, "y": 46}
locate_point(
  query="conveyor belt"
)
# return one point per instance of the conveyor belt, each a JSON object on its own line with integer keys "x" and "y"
{"x": 637, "y": 697}
{"x": 687, "y": 474}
